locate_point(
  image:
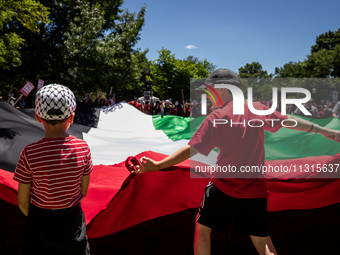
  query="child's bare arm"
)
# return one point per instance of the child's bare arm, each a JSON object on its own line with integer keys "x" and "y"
{"x": 305, "y": 125}
{"x": 85, "y": 184}
{"x": 149, "y": 165}
{"x": 24, "y": 197}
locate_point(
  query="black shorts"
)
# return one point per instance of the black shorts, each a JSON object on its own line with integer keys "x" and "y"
{"x": 218, "y": 211}
{"x": 61, "y": 231}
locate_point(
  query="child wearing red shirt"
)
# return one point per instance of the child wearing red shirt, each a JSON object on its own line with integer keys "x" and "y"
{"x": 53, "y": 175}
{"x": 234, "y": 196}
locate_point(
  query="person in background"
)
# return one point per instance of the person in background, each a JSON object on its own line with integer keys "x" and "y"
{"x": 310, "y": 107}
{"x": 328, "y": 112}
{"x": 102, "y": 102}
{"x": 10, "y": 99}
{"x": 135, "y": 104}
{"x": 336, "y": 110}
{"x": 157, "y": 109}
{"x": 292, "y": 109}
{"x": 22, "y": 103}
{"x": 172, "y": 108}
{"x": 107, "y": 102}
{"x": 187, "y": 110}
{"x": 179, "y": 109}
{"x": 96, "y": 103}
{"x": 320, "y": 109}
{"x": 147, "y": 108}
{"x": 195, "y": 109}
{"x": 112, "y": 100}
{"x": 166, "y": 108}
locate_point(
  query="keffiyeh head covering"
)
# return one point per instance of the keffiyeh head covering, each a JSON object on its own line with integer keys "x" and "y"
{"x": 54, "y": 102}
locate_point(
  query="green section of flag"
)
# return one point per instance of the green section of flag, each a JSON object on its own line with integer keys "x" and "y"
{"x": 177, "y": 128}
{"x": 284, "y": 144}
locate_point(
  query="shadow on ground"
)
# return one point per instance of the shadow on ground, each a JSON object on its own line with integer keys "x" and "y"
{"x": 314, "y": 231}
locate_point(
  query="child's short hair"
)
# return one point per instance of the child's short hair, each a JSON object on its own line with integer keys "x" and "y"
{"x": 54, "y": 103}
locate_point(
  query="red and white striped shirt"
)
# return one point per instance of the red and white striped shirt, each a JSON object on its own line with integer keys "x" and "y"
{"x": 54, "y": 167}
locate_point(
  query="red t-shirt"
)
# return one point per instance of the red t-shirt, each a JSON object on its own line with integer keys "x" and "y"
{"x": 321, "y": 114}
{"x": 187, "y": 112}
{"x": 240, "y": 145}
{"x": 54, "y": 167}
{"x": 136, "y": 105}
{"x": 147, "y": 109}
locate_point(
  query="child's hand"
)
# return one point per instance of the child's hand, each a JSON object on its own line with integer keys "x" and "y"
{"x": 147, "y": 165}
{"x": 335, "y": 136}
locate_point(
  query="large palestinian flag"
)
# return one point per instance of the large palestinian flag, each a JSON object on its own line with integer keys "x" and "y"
{"x": 117, "y": 200}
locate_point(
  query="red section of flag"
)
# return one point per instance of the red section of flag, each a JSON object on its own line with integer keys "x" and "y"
{"x": 8, "y": 187}
{"x": 117, "y": 200}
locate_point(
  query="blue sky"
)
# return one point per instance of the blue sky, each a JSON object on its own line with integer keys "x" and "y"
{"x": 230, "y": 34}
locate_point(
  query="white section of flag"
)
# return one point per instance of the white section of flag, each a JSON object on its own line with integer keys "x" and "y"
{"x": 125, "y": 131}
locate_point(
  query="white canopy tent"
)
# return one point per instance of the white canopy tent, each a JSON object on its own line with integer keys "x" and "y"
{"x": 154, "y": 99}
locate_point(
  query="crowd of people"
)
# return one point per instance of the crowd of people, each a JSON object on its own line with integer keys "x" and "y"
{"x": 14, "y": 99}
{"x": 166, "y": 107}
{"x": 329, "y": 110}
{"x": 321, "y": 111}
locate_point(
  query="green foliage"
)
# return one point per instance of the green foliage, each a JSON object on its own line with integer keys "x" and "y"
{"x": 254, "y": 76}
{"x": 326, "y": 41}
{"x": 290, "y": 70}
{"x": 86, "y": 50}
{"x": 88, "y": 45}
{"x": 203, "y": 68}
{"x": 30, "y": 14}
{"x": 9, "y": 50}
{"x": 322, "y": 62}
{"x": 169, "y": 75}
{"x": 253, "y": 70}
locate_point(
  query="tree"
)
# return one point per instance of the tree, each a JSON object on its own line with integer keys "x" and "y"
{"x": 169, "y": 75}
{"x": 253, "y": 70}
{"x": 291, "y": 70}
{"x": 322, "y": 62}
{"x": 113, "y": 53}
{"x": 204, "y": 68}
{"x": 88, "y": 46}
{"x": 254, "y": 76}
{"x": 326, "y": 41}
{"x": 30, "y": 14}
